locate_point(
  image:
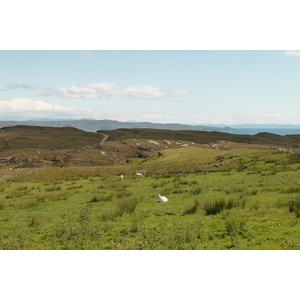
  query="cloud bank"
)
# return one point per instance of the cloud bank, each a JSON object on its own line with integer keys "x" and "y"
{"x": 99, "y": 90}
{"x": 292, "y": 53}
{"x": 86, "y": 54}
{"x": 105, "y": 90}
{"x": 21, "y": 104}
{"x": 23, "y": 108}
{"x": 36, "y": 87}
{"x": 181, "y": 92}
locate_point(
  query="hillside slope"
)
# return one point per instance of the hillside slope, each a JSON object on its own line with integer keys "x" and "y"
{"x": 34, "y": 146}
{"x": 50, "y": 138}
{"x": 203, "y": 137}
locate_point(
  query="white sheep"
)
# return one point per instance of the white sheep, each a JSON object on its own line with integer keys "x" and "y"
{"x": 139, "y": 174}
{"x": 122, "y": 176}
{"x": 161, "y": 199}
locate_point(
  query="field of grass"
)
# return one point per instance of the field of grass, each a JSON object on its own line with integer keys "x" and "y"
{"x": 234, "y": 199}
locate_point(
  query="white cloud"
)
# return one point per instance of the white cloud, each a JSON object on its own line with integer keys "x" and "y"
{"x": 36, "y": 87}
{"x": 292, "y": 53}
{"x": 24, "y": 104}
{"x": 272, "y": 118}
{"x": 181, "y": 92}
{"x": 104, "y": 90}
{"x": 87, "y": 54}
{"x": 27, "y": 109}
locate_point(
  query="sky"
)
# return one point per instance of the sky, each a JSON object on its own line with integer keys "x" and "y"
{"x": 164, "y": 86}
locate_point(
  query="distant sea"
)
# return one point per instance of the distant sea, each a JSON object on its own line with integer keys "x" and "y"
{"x": 252, "y": 131}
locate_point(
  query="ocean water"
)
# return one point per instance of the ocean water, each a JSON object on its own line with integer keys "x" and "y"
{"x": 252, "y": 131}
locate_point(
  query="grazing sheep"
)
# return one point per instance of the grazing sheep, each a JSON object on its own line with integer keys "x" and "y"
{"x": 139, "y": 174}
{"x": 122, "y": 176}
{"x": 161, "y": 199}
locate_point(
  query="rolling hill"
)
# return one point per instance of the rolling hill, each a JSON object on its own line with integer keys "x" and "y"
{"x": 94, "y": 125}
{"x": 36, "y": 146}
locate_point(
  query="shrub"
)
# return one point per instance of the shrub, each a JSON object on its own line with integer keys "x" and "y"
{"x": 214, "y": 206}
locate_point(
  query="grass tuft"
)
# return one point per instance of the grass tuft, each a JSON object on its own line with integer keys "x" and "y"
{"x": 214, "y": 206}
{"x": 235, "y": 225}
{"x": 193, "y": 209}
{"x": 294, "y": 206}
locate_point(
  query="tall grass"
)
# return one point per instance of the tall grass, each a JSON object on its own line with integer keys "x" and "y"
{"x": 124, "y": 206}
{"x": 294, "y": 206}
{"x": 193, "y": 209}
{"x": 235, "y": 225}
{"x": 214, "y": 206}
{"x": 127, "y": 205}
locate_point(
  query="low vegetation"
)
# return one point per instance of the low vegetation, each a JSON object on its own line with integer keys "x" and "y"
{"x": 218, "y": 199}
{"x": 225, "y": 195}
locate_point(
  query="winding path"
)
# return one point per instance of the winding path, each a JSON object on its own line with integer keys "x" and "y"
{"x": 105, "y": 137}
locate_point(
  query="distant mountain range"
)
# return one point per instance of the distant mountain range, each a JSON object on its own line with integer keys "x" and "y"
{"x": 265, "y": 126}
{"x": 95, "y": 125}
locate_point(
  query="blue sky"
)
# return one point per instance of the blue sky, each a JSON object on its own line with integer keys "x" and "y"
{"x": 193, "y": 87}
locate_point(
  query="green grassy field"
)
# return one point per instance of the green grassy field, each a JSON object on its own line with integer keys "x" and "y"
{"x": 218, "y": 199}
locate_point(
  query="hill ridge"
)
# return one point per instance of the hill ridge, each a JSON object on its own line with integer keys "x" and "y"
{"x": 35, "y": 146}
{"x": 94, "y": 125}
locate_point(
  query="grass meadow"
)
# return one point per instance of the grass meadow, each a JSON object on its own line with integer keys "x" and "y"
{"x": 235, "y": 199}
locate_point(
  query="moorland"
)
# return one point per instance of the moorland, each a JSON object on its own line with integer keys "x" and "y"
{"x": 60, "y": 188}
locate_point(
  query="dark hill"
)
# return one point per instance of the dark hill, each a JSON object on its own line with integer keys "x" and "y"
{"x": 34, "y": 146}
{"x": 203, "y": 137}
{"x": 49, "y": 138}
